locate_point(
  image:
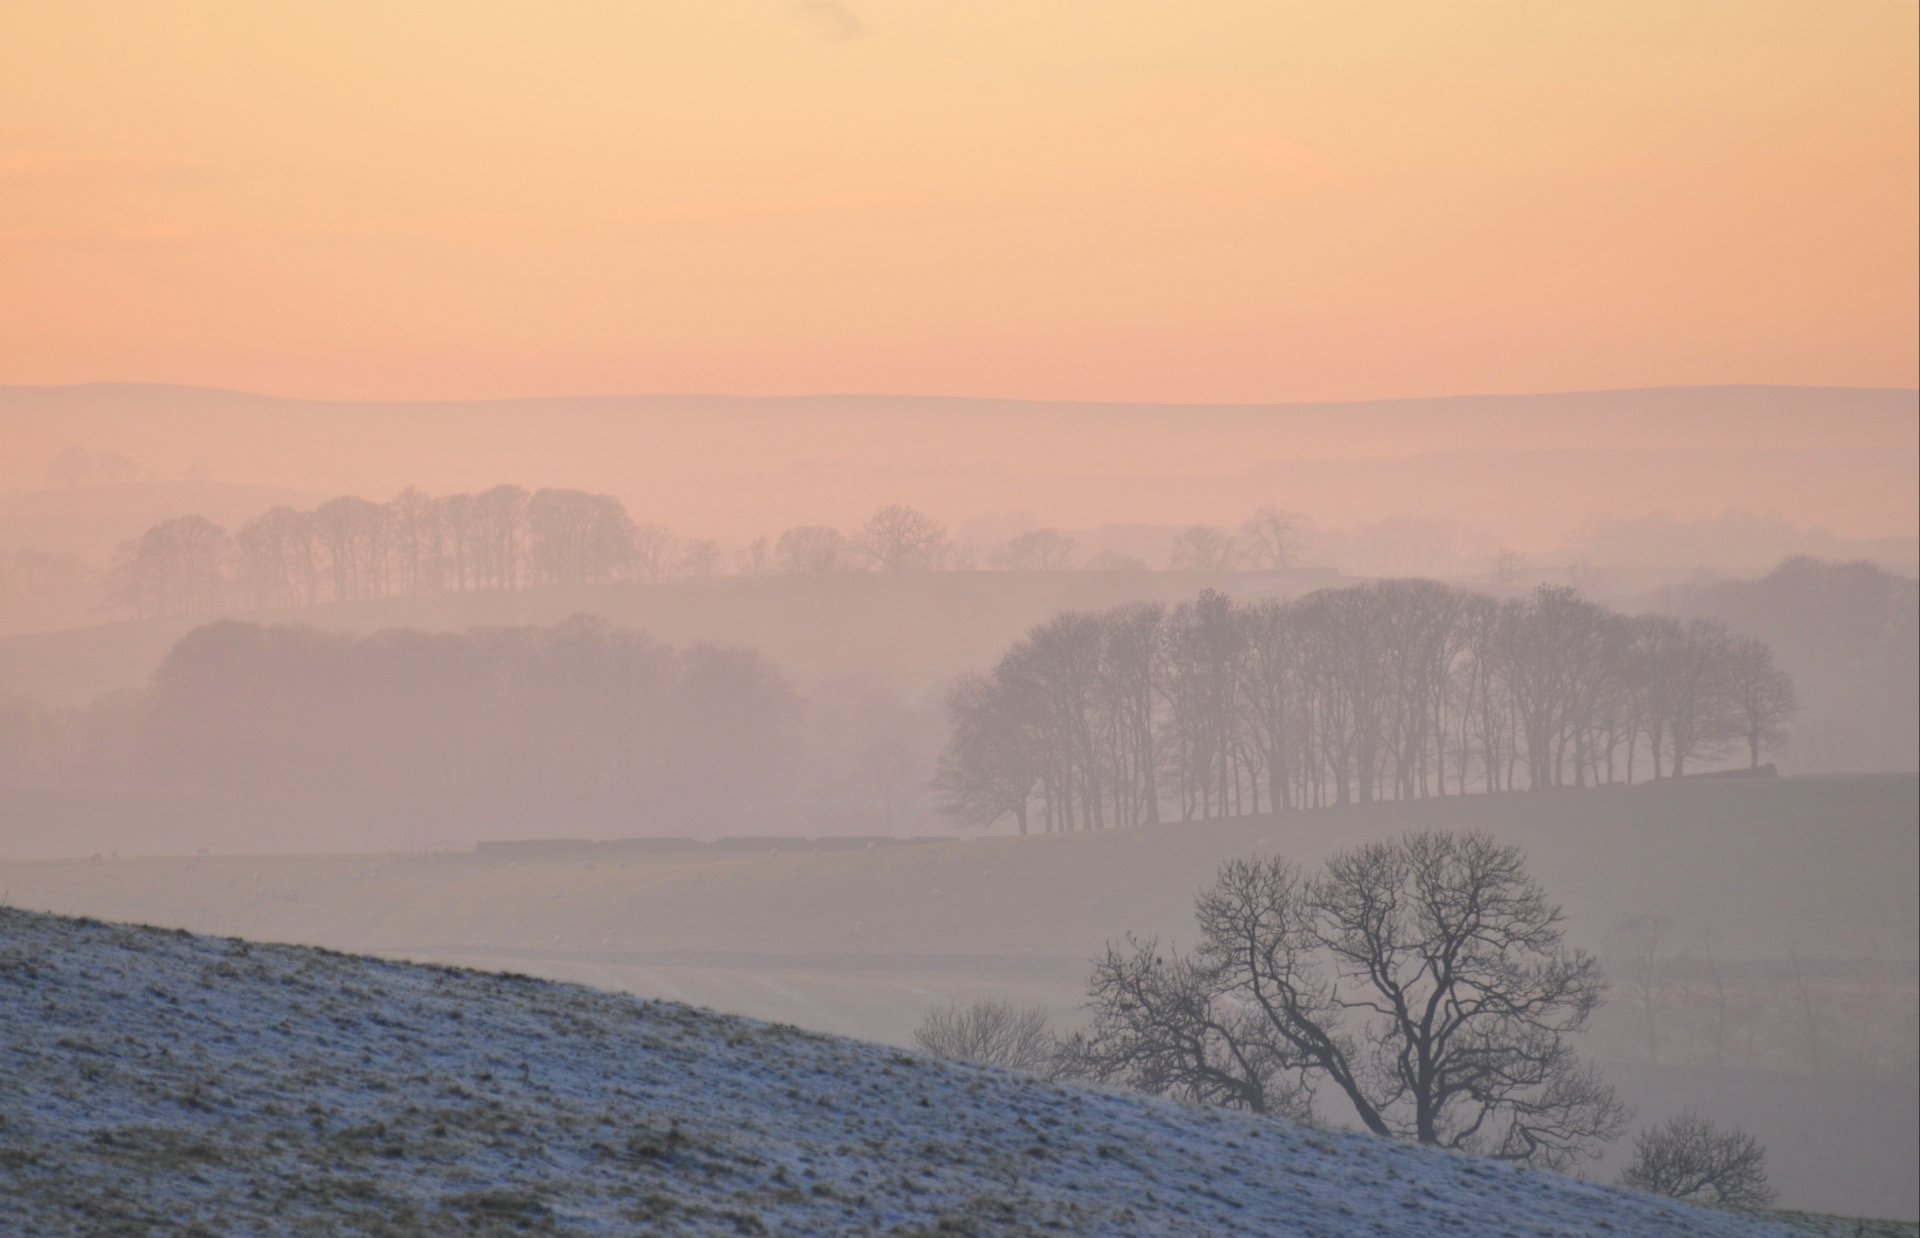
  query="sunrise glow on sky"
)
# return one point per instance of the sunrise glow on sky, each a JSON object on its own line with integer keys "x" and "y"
{"x": 1228, "y": 200}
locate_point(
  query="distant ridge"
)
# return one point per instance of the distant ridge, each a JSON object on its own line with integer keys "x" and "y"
{"x": 897, "y": 397}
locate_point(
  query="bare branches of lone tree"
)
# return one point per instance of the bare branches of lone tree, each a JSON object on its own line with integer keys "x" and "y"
{"x": 899, "y": 539}
{"x": 1688, "y": 1157}
{"x": 1162, "y": 1024}
{"x": 1272, "y": 537}
{"x": 1423, "y": 980}
{"x": 991, "y": 1033}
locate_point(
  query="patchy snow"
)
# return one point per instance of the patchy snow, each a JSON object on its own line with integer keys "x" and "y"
{"x": 154, "y": 1081}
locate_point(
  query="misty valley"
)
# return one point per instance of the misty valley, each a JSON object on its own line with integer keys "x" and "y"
{"x": 969, "y": 620}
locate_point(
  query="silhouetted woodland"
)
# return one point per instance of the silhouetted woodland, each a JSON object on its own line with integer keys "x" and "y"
{"x": 1391, "y": 690}
{"x": 505, "y": 538}
{"x": 575, "y": 722}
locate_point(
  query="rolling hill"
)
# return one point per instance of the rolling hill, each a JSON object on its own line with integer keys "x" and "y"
{"x": 163, "y": 1083}
{"x": 1758, "y": 873}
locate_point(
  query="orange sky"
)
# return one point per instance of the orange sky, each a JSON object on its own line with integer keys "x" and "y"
{"x": 1121, "y": 199}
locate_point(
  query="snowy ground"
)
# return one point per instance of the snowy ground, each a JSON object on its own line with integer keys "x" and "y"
{"x": 157, "y": 1082}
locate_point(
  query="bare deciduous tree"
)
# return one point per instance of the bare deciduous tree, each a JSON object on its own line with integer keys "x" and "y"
{"x": 989, "y": 770}
{"x": 1639, "y": 947}
{"x": 813, "y": 549}
{"x": 1688, "y": 1157}
{"x": 655, "y": 551}
{"x": 991, "y": 1033}
{"x": 1172, "y": 1026}
{"x": 1762, "y": 696}
{"x": 175, "y": 568}
{"x": 1272, "y": 537}
{"x": 1204, "y": 549}
{"x": 1424, "y": 979}
{"x": 899, "y": 539}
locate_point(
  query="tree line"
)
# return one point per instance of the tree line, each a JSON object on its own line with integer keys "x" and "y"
{"x": 1390, "y": 690}
{"x": 578, "y": 724}
{"x": 507, "y": 538}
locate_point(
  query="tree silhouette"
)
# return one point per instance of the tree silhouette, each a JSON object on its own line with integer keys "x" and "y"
{"x": 1424, "y": 980}
{"x": 899, "y": 539}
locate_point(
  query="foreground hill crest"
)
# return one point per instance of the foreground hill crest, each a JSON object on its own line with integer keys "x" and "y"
{"x": 167, "y": 1083}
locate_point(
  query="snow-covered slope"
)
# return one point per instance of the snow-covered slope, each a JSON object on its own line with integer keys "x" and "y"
{"x": 159, "y": 1082}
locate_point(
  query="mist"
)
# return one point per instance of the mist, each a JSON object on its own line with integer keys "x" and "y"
{"x": 843, "y": 618}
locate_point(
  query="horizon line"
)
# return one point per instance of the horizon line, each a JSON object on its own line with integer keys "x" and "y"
{"x": 211, "y": 389}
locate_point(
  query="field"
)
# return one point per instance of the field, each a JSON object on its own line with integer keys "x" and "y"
{"x": 274, "y": 1090}
{"x": 863, "y": 943}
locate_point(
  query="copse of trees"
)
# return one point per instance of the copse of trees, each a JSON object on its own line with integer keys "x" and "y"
{"x": 579, "y": 718}
{"x": 505, "y": 538}
{"x": 1389, "y": 690}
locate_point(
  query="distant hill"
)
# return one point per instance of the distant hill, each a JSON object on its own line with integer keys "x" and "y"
{"x": 1527, "y": 469}
{"x": 91, "y": 521}
{"x": 915, "y": 629}
{"x": 162, "y": 1083}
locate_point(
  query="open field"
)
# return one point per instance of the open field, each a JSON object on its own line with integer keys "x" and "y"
{"x": 1823, "y": 867}
{"x": 862, "y": 943}
{"x": 272, "y": 1090}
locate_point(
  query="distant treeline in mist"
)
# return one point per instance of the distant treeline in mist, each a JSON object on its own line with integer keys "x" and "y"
{"x": 505, "y": 538}
{"x": 578, "y": 721}
{"x": 1399, "y": 689}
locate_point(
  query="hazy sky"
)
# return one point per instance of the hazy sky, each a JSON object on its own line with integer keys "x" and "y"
{"x": 1129, "y": 199}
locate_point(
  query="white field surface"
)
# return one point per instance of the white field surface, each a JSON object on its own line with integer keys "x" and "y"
{"x": 155, "y": 1082}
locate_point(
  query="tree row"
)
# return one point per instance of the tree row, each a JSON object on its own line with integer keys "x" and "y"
{"x": 506, "y": 538}
{"x": 1389, "y": 690}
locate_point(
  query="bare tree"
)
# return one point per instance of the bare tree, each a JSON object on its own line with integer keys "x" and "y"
{"x": 1036, "y": 550}
{"x": 1424, "y": 979}
{"x": 1272, "y": 536}
{"x": 1762, "y": 696}
{"x": 1697, "y": 690}
{"x": 991, "y": 1033}
{"x": 1174, "y": 1026}
{"x": 992, "y": 764}
{"x": 1639, "y": 947}
{"x": 177, "y": 567}
{"x": 1204, "y": 549}
{"x": 899, "y": 539}
{"x": 755, "y": 558}
{"x": 699, "y": 559}
{"x": 655, "y": 551}
{"x": 275, "y": 559}
{"x": 813, "y": 549}
{"x": 1688, "y": 1157}
{"x": 410, "y": 519}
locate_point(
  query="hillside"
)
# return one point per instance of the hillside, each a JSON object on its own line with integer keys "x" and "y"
{"x": 166, "y": 1083}
{"x": 1758, "y": 872}
{"x": 731, "y": 467}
